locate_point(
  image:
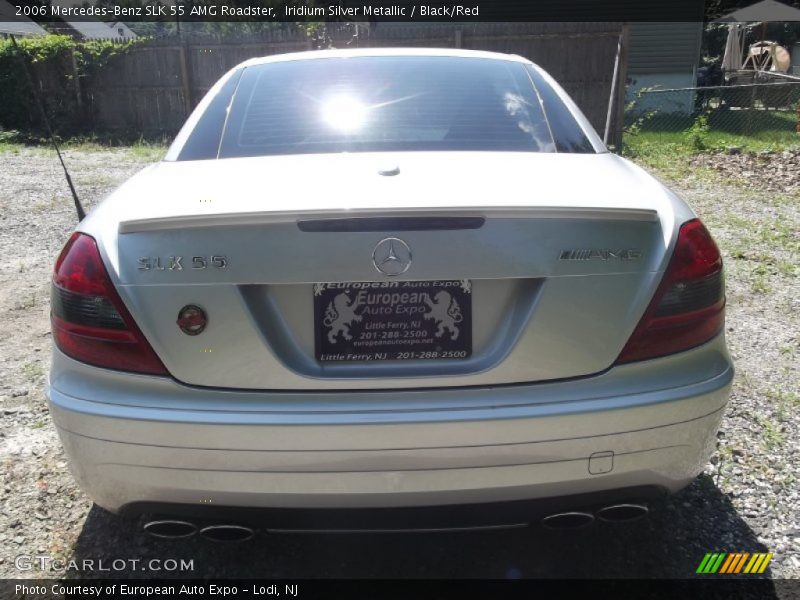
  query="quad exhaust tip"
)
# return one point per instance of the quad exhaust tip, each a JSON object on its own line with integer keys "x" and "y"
{"x": 622, "y": 513}
{"x": 227, "y": 533}
{"x": 177, "y": 529}
{"x": 170, "y": 529}
{"x": 568, "y": 520}
{"x": 614, "y": 513}
{"x": 174, "y": 529}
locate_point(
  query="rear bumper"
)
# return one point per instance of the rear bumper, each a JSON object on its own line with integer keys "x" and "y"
{"x": 490, "y": 515}
{"x": 137, "y": 441}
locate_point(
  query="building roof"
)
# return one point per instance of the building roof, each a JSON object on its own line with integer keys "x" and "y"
{"x": 96, "y": 30}
{"x": 766, "y": 10}
{"x": 12, "y": 24}
{"x": 116, "y": 25}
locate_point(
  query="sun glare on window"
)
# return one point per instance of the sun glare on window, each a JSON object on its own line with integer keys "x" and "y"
{"x": 344, "y": 113}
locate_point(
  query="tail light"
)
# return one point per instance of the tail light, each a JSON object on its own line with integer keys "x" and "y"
{"x": 90, "y": 323}
{"x": 688, "y": 308}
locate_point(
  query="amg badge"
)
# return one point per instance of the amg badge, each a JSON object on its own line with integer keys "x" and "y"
{"x": 600, "y": 254}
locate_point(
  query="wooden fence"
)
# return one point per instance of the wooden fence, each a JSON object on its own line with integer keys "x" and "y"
{"x": 153, "y": 87}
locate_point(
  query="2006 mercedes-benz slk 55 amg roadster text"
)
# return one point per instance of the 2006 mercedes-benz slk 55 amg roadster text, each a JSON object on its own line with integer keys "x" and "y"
{"x": 388, "y": 279}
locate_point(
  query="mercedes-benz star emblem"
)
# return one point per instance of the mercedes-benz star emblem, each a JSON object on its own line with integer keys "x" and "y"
{"x": 392, "y": 256}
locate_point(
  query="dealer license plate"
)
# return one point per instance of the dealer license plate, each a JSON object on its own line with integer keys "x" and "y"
{"x": 396, "y": 320}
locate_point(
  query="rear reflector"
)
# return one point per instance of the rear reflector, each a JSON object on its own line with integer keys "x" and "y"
{"x": 688, "y": 308}
{"x": 89, "y": 321}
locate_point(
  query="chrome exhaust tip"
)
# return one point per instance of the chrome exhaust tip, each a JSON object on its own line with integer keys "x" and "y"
{"x": 170, "y": 529}
{"x": 568, "y": 520}
{"x": 227, "y": 533}
{"x": 622, "y": 513}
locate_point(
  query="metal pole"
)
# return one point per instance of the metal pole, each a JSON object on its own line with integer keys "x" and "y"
{"x": 798, "y": 117}
{"x": 186, "y": 77}
{"x": 613, "y": 92}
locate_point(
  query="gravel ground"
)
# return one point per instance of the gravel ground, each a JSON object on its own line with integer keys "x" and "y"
{"x": 746, "y": 500}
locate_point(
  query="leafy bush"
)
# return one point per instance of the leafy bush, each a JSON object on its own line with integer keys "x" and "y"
{"x": 697, "y": 134}
{"x": 50, "y": 58}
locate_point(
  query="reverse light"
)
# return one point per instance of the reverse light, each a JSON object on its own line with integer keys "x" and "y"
{"x": 89, "y": 321}
{"x": 192, "y": 320}
{"x": 688, "y": 308}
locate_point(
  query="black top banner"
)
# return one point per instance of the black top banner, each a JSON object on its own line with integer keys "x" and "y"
{"x": 371, "y": 11}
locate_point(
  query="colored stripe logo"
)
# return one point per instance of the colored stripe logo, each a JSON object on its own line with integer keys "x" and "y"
{"x": 734, "y": 563}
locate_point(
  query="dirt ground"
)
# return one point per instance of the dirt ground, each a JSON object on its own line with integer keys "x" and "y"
{"x": 748, "y": 498}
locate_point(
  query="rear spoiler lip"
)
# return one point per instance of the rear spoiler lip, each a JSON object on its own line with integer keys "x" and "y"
{"x": 262, "y": 218}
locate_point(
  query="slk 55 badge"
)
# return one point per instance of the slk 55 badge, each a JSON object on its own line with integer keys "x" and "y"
{"x": 175, "y": 263}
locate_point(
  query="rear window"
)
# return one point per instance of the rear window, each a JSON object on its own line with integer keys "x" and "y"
{"x": 374, "y": 104}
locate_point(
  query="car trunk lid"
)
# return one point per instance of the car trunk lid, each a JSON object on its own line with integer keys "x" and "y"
{"x": 560, "y": 253}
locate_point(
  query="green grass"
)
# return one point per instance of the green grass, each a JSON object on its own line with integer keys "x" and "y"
{"x": 670, "y": 152}
{"x": 141, "y": 149}
{"x": 149, "y": 150}
{"x": 765, "y": 250}
{"x": 765, "y": 124}
{"x": 759, "y": 278}
{"x": 773, "y": 435}
{"x": 786, "y": 403}
{"x": 25, "y": 303}
{"x": 10, "y": 147}
{"x": 32, "y": 372}
{"x": 667, "y": 142}
{"x": 648, "y": 142}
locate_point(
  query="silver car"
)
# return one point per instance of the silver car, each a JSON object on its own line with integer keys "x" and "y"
{"x": 395, "y": 288}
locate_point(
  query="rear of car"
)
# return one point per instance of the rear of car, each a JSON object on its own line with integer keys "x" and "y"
{"x": 384, "y": 279}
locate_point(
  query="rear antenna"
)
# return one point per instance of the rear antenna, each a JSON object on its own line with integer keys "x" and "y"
{"x": 37, "y": 98}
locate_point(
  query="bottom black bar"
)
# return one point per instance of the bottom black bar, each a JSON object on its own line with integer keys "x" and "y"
{"x": 731, "y": 588}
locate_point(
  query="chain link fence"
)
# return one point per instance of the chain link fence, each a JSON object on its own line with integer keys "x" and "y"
{"x": 762, "y": 110}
